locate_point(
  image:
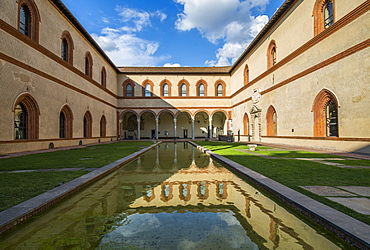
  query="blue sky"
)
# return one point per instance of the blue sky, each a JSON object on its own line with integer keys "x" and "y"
{"x": 193, "y": 33}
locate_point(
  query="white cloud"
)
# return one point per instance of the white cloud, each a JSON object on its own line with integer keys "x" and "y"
{"x": 123, "y": 45}
{"x": 172, "y": 65}
{"x": 128, "y": 49}
{"x": 226, "y": 21}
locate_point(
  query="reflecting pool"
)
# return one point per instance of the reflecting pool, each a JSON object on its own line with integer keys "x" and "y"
{"x": 172, "y": 197}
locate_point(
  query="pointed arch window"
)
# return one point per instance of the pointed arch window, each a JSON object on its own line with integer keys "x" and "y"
{"x": 28, "y": 19}
{"x": 246, "y": 75}
{"x": 323, "y": 14}
{"x": 26, "y": 118}
{"x": 103, "y": 76}
{"x": 87, "y": 125}
{"x": 271, "y": 54}
{"x": 24, "y": 20}
{"x": 20, "y": 122}
{"x": 103, "y": 127}
{"x": 65, "y": 123}
{"x": 326, "y": 119}
{"x": 65, "y": 50}
{"x": 67, "y": 47}
{"x": 88, "y": 64}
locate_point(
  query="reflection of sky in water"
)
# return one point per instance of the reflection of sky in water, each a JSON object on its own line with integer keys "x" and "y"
{"x": 203, "y": 230}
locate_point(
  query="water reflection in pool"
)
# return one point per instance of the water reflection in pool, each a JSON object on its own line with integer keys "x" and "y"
{"x": 173, "y": 197}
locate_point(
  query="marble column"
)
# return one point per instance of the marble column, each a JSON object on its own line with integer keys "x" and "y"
{"x": 192, "y": 129}
{"x": 174, "y": 128}
{"x": 138, "y": 129}
{"x": 156, "y": 128}
{"x": 210, "y": 128}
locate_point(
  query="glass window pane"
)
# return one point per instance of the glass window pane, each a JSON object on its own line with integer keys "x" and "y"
{"x": 328, "y": 14}
{"x": 201, "y": 90}
{"x": 61, "y": 125}
{"x": 147, "y": 90}
{"x": 24, "y": 19}
{"x": 219, "y": 90}
{"x": 165, "y": 89}
{"x": 183, "y": 89}
{"x": 64, "y": 50}
{"x": 128, "y": 90}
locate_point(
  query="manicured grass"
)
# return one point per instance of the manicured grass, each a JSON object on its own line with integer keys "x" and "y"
{"x": 294, "y": 173}
{"x": 19, "y": 187}
{"x": 295, "y": 154}
{"x": 88, "y": 157}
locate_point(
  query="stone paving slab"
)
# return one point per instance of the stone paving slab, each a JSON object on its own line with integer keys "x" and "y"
{"x": 326, "y": 191}
{"x": 361, "y": 205}
{"x": 362, "y": 191}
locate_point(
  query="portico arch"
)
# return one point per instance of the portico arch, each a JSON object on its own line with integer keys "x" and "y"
{"x": 184, "y": 125}
{"x": 148, "y": 124}
{"x": 129, "y": 125}
{"x": 201, "y": 124}
{"x": 166, "y": 124}
{"x": 219, "y": 123}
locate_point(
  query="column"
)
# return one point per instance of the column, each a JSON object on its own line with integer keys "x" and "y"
{"x": 210, "y": 128}
{"x": 156, "y": 128}
{"x": 138, "y": 129}
{"x": 174, "y": 128}
{"x": 192, "y": 129}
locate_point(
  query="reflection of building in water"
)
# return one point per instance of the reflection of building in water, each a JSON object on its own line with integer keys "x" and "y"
{"x": 137, "y": 189}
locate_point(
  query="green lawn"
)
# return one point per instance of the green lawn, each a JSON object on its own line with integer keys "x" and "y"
{"x": 294, "y": 173}
{"x": 19, "y": 187}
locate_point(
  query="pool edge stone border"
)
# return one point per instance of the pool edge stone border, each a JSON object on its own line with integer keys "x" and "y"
{"x": 18, "y": 213}
{"x": 350, "y": 229}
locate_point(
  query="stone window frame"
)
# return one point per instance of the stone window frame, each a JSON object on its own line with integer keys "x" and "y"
{"x": 34, "y": 19}
{"x": 67, "y": 38}
{"x": 162, "y": 84}
{"x": 205, "y": 84}
{"x": 68, "y": 122}
{"x": 319, "y": 15}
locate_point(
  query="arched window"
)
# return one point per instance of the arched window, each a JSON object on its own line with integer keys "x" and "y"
{"x": 88, "y": 64}
{"x": 147, "y": 87}
{"x": 220, "y": 88}
{"x": 271, "y": 121}
{"x": 87, "y": 129}
{"x": 26, "y": 118}
{"x": 201, "y": 89}
{"x": 325, "y": 111}
{"x": 103, "y": 127}
{"x": 246, "y": 75}
{"x": 67, "y": 47}
{"x": 65, "y": 50}
{"x": 103, "y": 79}
{"x": 24, "y": 20}
{"x": 65, "y": 123}
{"x": 165, "y": 89}
{"x": 183, "y": 90}
{"x": 323, "y": 13}
{"x": 129, "y": 90}
{"x": 147, "y": 90}
{"x": 271, "y": 54}
{"x": 28, "y": 19}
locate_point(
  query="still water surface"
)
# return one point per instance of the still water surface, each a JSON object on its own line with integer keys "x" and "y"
{"x": 172, "y": 197}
